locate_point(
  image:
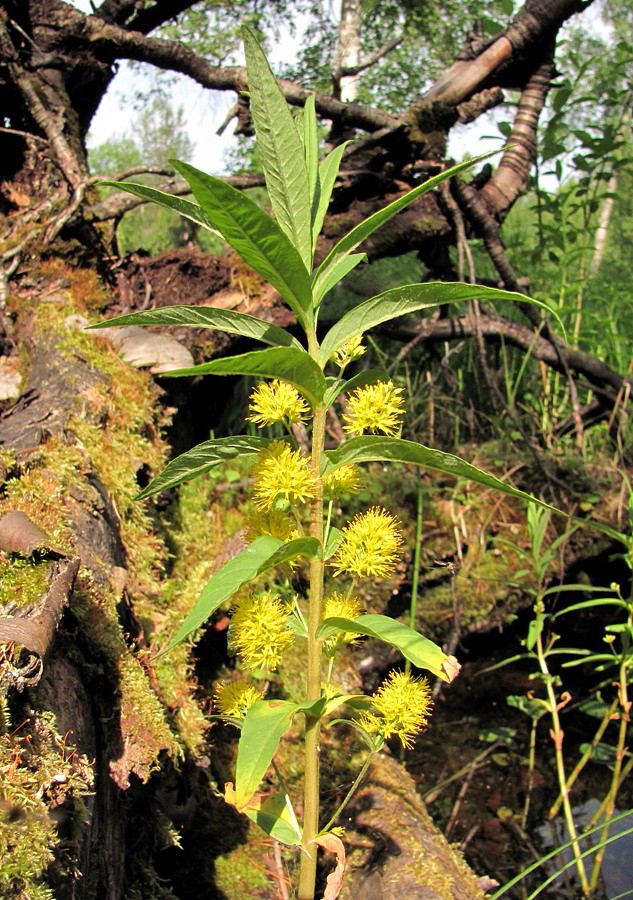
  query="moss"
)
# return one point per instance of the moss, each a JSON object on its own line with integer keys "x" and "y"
{"x": 22, "y": 582}
{"x": 38, "y": 773}
{"x": 238, "y": 877}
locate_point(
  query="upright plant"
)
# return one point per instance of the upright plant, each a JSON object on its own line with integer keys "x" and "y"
{"x": 293, "y": 490}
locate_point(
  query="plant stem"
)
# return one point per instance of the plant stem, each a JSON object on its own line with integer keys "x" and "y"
{"x": 351, "y": 791}
{"x": 621, "y": 749}
{"x": 307, "y": 872}
{"x": 417, "y": 551}
{"x": 557, "y": 736}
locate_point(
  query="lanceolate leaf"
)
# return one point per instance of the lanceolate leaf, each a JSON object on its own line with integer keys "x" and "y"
{"x": 208, "y": 317}
{"x": 233, "y": 574}
{"x": 417, "y": 649}
{"x": 375, "y": 448}
{"x": 280, "y": 150}
{"x": 408, "y": 299}
{"x": 311, "y": 149}
{"x": 264, "y": 553}
{"x": 264, "y": 725}
{"x": 328, "y": 170}
{"x": 362, "y": 231}
{"x": 183, "y": 207}
{"x": 273, "y": 816}
{"x": 255, "y": 236}
{"x": 370, "y": 376}
{"x": 336, "y": 273}
{"x": 306, "y": 546}
{"x": 286, "y": 363}
{"x": 201, "y": 459}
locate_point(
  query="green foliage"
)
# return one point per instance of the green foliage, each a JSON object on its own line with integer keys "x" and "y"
{"x": 157, "y": 134}
{"x": 614, "y": 667}
{"x": 286, "y": 479}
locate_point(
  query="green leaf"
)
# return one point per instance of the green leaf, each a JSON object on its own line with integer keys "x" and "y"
{"x": 369, "y": 376}
{"x": 263, "y": 727}
{"x": 276, "y": 817}
{"x": 208, "y": 317}
{"x": 325, "y": 706}
{"x": 535, "y": 630}
{"x": 408, "y": 299}
{"x": 311, "y": 150}
{"x": 363, "y": 230}
{"x": 238, "y": 571}
{"x": 264, "y": 553}
{"x": 334, "y": 538}
{"x": 306, "y": 546}
{"x": 280, "y": 150}
{"x": 417, "y": 649}
{"x": 588, "y": 604}
{"x": 374, "y": 448}
{"x": 328, "y": 170}
{"x": 201, "y": 459}
{"x": 255, "y": 236}
{"x": 183, "y": 207}
{"x": 286, "y": 363}
{"x": 338, "y": 271}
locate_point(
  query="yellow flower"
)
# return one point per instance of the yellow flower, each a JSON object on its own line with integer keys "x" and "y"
{"x": 277, "y": 402}
{"x": 275, "y": 523}
{"x": 281, "y": 472}
{"x": 344, "y": 480}
{"x": 350, "y": 350}
{"x": 236, "y": 698}
{"x": 370, "y": 546}
{"x": 404, "y": 704}
{"x": 375, "y": 407}
{"x": 340, "y": 606}
{"x": 259, "y": 630}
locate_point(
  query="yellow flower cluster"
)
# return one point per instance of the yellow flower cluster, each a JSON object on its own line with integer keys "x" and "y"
{"x": 344, "y": 480}
{"x": 370, "y": 545}
{"x": 375, "y": 407}
{"x": 403, "y": 704}
{"x": 350, "y": 350}
{"x": 340, "y": 606}
{"x": 277, "y": 402}
{"x": 236, "y": 698}
{"x": 274, "y": 523}
{"x": 259, "y": 630}
{"x": 281, "y": 472}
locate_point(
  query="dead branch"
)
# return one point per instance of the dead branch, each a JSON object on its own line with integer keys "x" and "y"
{"x": 602, "y": 379}
{"x": 114, "y": 206}
{"x": 175, "y": 57}
{"x": 350, "y": 71}
{"x": 511, "y": 175}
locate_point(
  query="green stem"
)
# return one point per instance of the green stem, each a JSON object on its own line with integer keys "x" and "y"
{"x": 351, "y": 791}
{"x": 307, "y": 872}
{"x": 415, "y": 581}
{"x": 609, "y": 801}
{"x": 557, "y": 737}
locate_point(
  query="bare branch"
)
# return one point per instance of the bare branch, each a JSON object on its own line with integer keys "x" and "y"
{"x": 536, "y": 21}
{"x": 114, "y": 206}
{"x": 162, "y": 11}
{"x": 42, "y": 107}
{"x": 511, "y": 176}
{"x": 175, "y": 57}
{"x": 347, "y": 71}
{"x": 603, "y": 380}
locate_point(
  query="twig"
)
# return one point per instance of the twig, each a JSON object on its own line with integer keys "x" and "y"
{"x": 348, "y": 71}
{"x": 280, "y": 875}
